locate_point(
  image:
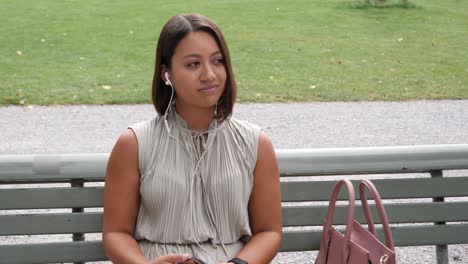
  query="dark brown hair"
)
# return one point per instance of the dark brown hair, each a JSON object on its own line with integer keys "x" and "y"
{"x": 172, "y": 33}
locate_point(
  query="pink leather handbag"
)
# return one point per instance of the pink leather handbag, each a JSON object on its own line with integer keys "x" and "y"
{"x": 357, "y": 245}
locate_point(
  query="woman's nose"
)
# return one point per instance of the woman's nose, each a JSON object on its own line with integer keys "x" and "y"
{"x": 208, "y": 74}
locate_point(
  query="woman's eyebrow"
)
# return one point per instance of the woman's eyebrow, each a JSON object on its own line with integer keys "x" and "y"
{"x": 192, "y": 55}
{"x": 216, "y": 53}
{"x": 195, "y": 55}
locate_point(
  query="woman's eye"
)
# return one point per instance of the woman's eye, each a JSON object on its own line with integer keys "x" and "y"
{"x": 193, "y": 64}
{"x": 219, "y": 61}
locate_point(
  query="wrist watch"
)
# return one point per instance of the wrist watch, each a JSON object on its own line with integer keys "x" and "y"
{"x": 238, "y": 261}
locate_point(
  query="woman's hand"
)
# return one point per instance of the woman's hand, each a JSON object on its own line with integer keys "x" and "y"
{"x": 171, "y": 259}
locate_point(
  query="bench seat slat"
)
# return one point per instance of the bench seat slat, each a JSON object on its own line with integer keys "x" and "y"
{"x": 59, "y": 223}
{"x": 48, "y": 198}
{"x": 53, "y": 252}
{"x": 407, "y": 188}
{"x": 403, "y": 236}
{"x": 397, "y": 213}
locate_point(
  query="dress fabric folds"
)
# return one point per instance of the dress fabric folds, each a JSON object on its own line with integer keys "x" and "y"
{"x": 195, "y": 187}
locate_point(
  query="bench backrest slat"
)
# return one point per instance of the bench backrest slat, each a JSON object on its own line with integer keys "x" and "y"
{"x": 55, "y": 223}
{"x": 405, "y": 236}
{"x": 62, "y": 223}
{"x": 52, "y": 252}
{"x": 52, "y": 168}
{"x": 407, "y": 188}
{"x": 400, "y": 159}
{"x": 292, "y": 162}
{"x": 397, "y": 213}
{"x": 48, "y": 198}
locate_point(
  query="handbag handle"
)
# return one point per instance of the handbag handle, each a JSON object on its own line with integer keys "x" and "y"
{"x": 329, "y": 218}
{"x": 367, "y": 184}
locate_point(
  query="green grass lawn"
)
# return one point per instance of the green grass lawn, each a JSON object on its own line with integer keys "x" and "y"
{"x": 100, "y": 52}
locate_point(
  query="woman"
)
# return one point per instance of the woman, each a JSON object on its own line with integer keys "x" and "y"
{"x": 192, "y": 182}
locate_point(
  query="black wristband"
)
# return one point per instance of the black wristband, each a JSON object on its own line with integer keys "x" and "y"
{"x": 238, "y": 261}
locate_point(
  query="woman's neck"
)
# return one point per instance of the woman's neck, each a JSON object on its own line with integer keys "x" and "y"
{"x": 197, "y": 119}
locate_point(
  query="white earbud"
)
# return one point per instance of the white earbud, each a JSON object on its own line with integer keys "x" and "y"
{"x": 168, "y": 82}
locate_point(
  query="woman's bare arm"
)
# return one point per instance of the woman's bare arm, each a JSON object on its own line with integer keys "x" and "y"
{"x": 264, "y": 207}
{"x": 121, "y": 204}
{"x": 121, "y": 201}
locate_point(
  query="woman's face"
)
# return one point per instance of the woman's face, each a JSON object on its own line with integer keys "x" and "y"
{"x": 198, "y": 73}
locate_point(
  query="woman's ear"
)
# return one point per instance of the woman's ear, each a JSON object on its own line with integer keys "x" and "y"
{"x": 164, "y": 69}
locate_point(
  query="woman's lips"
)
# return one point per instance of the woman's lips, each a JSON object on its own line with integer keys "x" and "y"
{"x": 208, "y": 89}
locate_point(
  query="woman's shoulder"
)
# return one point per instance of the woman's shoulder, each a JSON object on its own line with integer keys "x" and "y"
{"x": 244, "y": 129}
{"x": 243, "y": 124}
{"x": 146, "y": 123}
{"x": 146, "y": 127}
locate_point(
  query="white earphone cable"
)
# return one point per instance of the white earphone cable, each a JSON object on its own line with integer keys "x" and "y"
{"x": 193, "y": 175}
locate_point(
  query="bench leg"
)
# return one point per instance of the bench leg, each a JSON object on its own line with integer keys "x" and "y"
{"x": 441, "y": 250}
{"x": 442, "y": 254}
{"x": 78, "y": 236}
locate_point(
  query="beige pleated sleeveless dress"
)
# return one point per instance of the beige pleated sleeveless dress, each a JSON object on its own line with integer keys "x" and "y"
{"x": 195, "y": 187}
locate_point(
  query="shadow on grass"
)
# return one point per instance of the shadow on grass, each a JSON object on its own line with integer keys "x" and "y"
{"x": 383, "y": 4}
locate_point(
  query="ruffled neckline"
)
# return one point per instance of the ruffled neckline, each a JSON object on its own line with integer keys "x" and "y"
{"x": 180, "y": 123}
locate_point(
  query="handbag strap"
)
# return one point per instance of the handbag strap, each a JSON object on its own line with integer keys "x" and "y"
{"x": 331, "y": 210}
{"x": 367, "y": 184}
